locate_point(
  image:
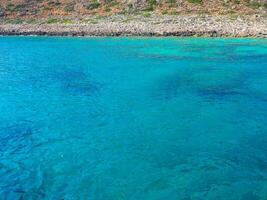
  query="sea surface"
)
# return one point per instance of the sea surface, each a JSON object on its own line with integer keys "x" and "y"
{"x": 133, "y": 118}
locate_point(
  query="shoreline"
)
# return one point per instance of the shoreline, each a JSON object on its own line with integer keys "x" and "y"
{"x": 161, "y": 26}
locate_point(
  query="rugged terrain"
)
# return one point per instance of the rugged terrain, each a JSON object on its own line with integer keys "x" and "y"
{"x": 234, "y": 18}
{"x": 48, "y": 8}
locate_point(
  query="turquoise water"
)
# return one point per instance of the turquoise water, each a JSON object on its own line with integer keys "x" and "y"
{"x": 134, "y": 119}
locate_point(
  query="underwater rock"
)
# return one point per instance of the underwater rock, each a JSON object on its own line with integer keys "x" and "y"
{"x": 68, "y": 75}
{"x": 219, "y": 93}
{"x": 20, "y": 179}
{"x": 76, "y": 82}
{"x": 168, "y": 87}
{"x": 205, "y": 83}
{"x": 13, "y": 137}
{"x": 81, "y": 88}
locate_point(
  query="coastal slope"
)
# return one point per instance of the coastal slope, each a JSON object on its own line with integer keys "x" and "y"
{"x": 218, "y": 18}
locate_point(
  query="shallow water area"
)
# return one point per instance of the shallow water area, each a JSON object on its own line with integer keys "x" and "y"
{"x": 133, "y": 118}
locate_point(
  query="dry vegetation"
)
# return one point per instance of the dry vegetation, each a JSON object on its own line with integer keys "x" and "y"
{"x": 215, "y": 18}
{"x": 30, "y": 9}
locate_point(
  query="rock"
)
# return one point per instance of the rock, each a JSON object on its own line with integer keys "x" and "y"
{"x": 212, "y": 26}
{"x": 2, "y": 11}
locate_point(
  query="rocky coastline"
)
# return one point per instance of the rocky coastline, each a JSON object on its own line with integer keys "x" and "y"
{"x": 139, "y": 25}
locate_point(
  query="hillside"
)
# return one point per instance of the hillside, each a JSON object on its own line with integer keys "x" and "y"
{"x": 49, "y": 8}
{"x": 213, "y": 18}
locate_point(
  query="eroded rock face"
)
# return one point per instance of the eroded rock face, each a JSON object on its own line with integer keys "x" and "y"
{"x": 2, "y": 11}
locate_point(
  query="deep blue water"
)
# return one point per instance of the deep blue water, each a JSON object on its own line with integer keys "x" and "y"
{"x": 133, "y": 119}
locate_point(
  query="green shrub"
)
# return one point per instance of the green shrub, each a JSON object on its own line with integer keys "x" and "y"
{"x": 18, "y": 21}
{"x": 20, "y": 8}
{"x": 54, "y": 3}
{"x": 152, "y": 2}
{"x": 255, "y": 5}
{"x": 130, "y": 6}
{"x": 113, "y": 3}
{"x": 237, "y": 1}
{"x": 147, "y": 14}
{"x": 47, "y": 8}
{"x": 52, "y": 21}
{"x": 93, "y": 5}
{"x": 107, "y": 9}
{"x": 195, "y": 1}
{"x": 164, "y": 12}
{"x": 69, "y": 7}
{"x": 32, "y": 21}
{"x": 67, "y": 21}
{"x": 10, "y": 7}
{"x": 14, "y": 21}
{"x": 174, "y": 12}
{"x": 50, "y": 3}
{"x": 171, "y": 1}
{"x": 150, "y": 6}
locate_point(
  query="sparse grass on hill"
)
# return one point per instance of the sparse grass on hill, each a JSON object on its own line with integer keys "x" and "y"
{"x": 93, "y": 5}
{"x": 52, "y": 20}
{"x": 195, "y": 1}
{"x": 57, "y": 8}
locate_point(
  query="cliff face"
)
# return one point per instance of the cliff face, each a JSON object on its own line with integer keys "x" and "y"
{"x": 48, "y": 8}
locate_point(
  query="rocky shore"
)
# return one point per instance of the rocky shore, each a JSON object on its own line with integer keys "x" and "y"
{"x": 140, "y": 25}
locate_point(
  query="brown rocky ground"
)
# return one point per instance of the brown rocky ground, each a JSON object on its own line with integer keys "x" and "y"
{"x": 140, "y": 25}
{"x": 234, "y": 18}
{"x": 79, "y": 8}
